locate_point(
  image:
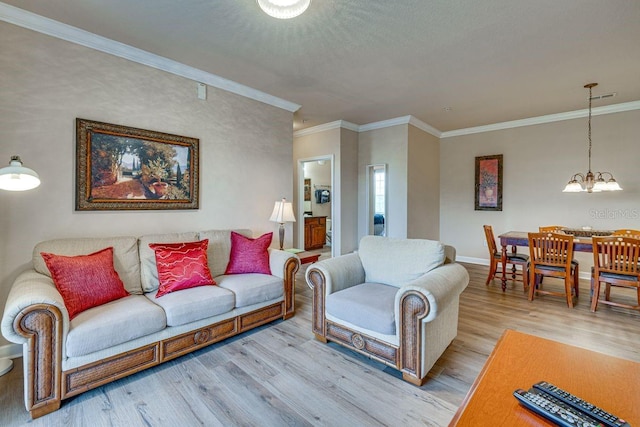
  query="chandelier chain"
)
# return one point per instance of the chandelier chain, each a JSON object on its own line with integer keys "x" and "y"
{"x": 590, "y": 128}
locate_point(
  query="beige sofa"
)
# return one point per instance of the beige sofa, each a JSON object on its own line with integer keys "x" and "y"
{"x": 394, "y": 300}
{"x": 63, "y": 357}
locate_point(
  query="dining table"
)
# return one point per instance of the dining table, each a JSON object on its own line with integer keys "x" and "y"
{"x": 521, "y": 238}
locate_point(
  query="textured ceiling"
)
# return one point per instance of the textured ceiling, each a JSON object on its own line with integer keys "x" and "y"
{"x": 364, "y": 60}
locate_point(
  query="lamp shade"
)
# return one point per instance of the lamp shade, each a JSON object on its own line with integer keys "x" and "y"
{"x": 16, "y": 177}
{"x": 284, "y": 9}
{"x": 282, "y": 212}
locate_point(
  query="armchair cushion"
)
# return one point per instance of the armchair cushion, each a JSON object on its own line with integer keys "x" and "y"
{"x": 368, "y": 305}
{"x": 397, "y": 262}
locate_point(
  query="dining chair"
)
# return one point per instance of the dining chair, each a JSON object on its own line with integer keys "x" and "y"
{"x": 627, "y": 233}
{"x": 513, "y": 259}
{"x": 551, "y": 228}
{"x": 550, "y": 255}
{"x": 615, "y": 263}
{"x": 555, "y": 229}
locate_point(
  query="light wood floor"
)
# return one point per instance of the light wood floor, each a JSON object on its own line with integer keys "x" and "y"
{"x": 279, "y": 375}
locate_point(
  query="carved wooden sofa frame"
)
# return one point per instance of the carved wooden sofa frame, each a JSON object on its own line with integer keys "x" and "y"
{"x": 47, "y": 385}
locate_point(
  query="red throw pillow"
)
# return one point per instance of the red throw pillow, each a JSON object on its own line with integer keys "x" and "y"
{"x": 182, "y": 266}
{"x": 85, "y": 281}
{"x": 249, "y": 255}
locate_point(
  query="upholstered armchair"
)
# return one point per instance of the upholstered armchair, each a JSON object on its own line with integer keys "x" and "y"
{"x": 394, "y": 300}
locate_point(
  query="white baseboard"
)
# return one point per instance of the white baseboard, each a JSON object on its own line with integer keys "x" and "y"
{"x": 10, "y": 351}
{"x": 584, "y": 275}
{"x": 471, "y": 260}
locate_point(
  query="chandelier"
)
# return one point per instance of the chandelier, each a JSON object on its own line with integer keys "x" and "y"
{"x": 284, "y": 9}
{"x": 591, "y": 182}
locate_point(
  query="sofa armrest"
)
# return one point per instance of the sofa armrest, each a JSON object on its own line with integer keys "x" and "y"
{"x": 440, "y": 286}
{"x": 31, "y": 289}
{"x": 35, "y": 316}
{"x": 326, "y": 277}
{"x": 278, "y": 262}
{"x": 285, "y": 265}
{"x": 430, "y": 299}
{"x": 335, "y": 274}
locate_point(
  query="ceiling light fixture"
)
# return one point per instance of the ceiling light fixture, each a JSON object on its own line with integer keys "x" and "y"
{"x": 591, "y": 183}
{"x": 284, "y": 9}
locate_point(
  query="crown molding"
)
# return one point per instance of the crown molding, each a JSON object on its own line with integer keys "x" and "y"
{"x": 608, "y": 109}
{"x": 327, "y": 126}
{"x": 370, "y": 126}
{"x": 31, "y": 21}
{"x": 425, "y": 127}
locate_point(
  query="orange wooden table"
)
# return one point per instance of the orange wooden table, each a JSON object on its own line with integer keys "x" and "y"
{"x": 519, "y": 360}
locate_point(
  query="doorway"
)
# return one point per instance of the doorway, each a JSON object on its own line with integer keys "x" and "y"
{"x": 317, "y": 225}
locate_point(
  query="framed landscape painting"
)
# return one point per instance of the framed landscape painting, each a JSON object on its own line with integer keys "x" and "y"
{"x": 124, "y": 168}
{"x": 488, "y": 189}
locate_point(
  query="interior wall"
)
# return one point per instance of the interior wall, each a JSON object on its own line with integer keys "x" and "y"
{"x": 423, "y": 185}
{"x": 385, "y": 146}
{"x": 245, "y": 146}
{"x": 315, "y": 145}
{"x": 348, "y": 202}
{"x": 538, "y": 162}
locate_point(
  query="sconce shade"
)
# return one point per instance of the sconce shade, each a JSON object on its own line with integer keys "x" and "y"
{"x": 282, "y": 212}
{"x": 16, "y": 177}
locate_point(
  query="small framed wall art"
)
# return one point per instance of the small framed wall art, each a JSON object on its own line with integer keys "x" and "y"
{"x": 124, "y": 168}
{"x": 488, "y": 189}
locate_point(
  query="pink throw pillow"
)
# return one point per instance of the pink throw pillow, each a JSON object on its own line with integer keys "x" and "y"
{"x": 182, "y": 266}
{"x": 249, "y": 255}
{"x": 85, "y": 281}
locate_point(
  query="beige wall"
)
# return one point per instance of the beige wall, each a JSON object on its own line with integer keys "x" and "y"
{"x": 341, "y": 146}
{"x": 423, "y": 185}
{"x": 385, "y": 146}
{"x": 538, "y": 162}
{"x": 245, "y": 146}
{"x": 348, "y": 204}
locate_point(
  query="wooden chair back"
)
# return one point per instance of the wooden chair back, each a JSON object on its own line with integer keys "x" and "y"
{"x": 627, "y": 233}
{"x": 551, "y": 228}
{"x": 551, "y": 249}
{"x": 616, "y": 255}
{"x": 491, "y": 241}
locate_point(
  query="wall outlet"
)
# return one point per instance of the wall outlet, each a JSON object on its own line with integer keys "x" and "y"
{"x": 484, "y": 242}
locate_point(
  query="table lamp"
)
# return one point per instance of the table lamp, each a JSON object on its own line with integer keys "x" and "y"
{"x": 282, "y": 212}
{"x": 16, "y": 177}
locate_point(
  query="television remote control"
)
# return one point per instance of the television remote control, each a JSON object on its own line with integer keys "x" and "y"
{"x": 554, "y": 409}
{"x": 591, "y": 410}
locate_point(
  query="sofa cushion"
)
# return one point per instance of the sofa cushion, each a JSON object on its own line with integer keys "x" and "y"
{"x": 112, "y": 324}
{"x": 193, "y": 304}
{"x": 252, "y": 288}
{"x": 368, "y": 305}
{"x": 249, "y": 255}
{"x": 181, "y": 266}
{"x": 397, "y": 262}
{"x": 85, "y": 281}
{"x": 125, "y": 256}
{"x": 220, "y": 248}
{"x": 148, "y": 270}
